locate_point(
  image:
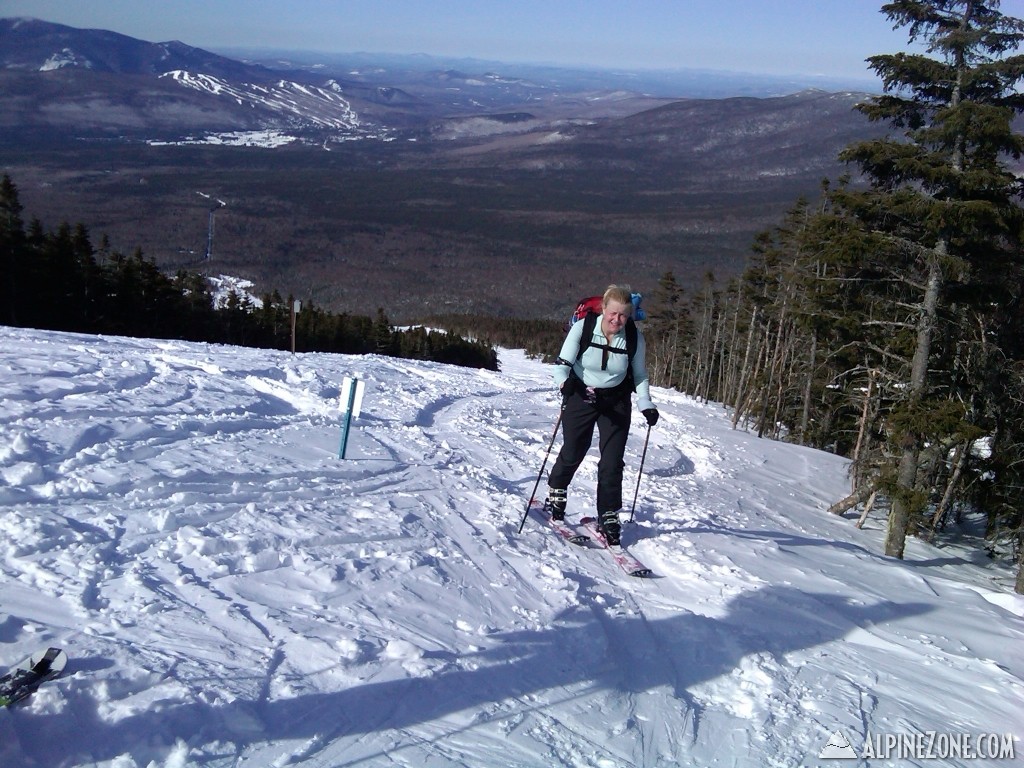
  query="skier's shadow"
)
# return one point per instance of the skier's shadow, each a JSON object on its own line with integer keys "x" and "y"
{"x": 584, "y": 650}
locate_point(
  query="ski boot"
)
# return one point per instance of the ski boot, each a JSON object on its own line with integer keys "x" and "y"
{"x": 555, "y": 503}
{"x": 608, "y": 524}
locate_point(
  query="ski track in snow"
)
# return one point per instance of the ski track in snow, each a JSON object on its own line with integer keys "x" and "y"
{"x": 232, "y": 593}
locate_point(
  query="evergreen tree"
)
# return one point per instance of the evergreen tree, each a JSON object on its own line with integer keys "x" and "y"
{"x": 667, "y": 331}
{"x": 13, "y": 255}
{"x": 383, "y": 334}
{"x": 943, "y": 211}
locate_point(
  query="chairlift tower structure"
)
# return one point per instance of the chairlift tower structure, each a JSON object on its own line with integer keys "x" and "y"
{"x": 216, "y": 204}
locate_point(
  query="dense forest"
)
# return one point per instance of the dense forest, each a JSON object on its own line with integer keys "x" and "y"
{"x": 60, "y": 281}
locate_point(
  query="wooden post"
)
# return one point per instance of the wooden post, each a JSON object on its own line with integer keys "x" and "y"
{"x": 296, "y": 306}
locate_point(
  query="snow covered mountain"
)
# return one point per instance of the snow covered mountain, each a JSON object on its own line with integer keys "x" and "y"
{"x": 34, "y": 45}
{"x": 58, "y": 80}
{"x": 57, "y": 77}
{"x": 230, "y": 592}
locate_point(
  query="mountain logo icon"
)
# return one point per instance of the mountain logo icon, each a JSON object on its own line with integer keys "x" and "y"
{"x": 838, "y": 748}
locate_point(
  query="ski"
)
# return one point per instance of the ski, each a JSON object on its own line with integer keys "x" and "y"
{"x": 569, "y": 534}
{"x": 24, "y": 678}
{"x": 561, "y": 527}
{"x": 624, "y": 559}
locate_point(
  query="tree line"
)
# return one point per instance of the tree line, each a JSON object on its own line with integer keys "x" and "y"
{"x": 885, "y": 322}
{"x": 58, "y": 280}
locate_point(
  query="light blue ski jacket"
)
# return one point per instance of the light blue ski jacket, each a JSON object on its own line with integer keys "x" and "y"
{"x": 597, "y": 371}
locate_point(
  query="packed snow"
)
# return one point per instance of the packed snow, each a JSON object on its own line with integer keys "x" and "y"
{"x": 231, "y": 592}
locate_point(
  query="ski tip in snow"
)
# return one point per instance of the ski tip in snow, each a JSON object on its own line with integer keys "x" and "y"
{"x": 629, "y": 564}
{"x": 49, "y": 662}
{"x": 24, "y": 678}
{"x": 642, "y": 573}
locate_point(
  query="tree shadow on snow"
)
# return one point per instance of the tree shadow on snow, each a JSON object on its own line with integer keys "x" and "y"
{"x": 586, "y": 649}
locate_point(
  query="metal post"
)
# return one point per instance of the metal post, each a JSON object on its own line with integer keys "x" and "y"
{"x": 348, "y": 417}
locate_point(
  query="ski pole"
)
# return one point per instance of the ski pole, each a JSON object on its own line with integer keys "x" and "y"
{"x": 640, "y": 473}
{"x": 540, "y": 474}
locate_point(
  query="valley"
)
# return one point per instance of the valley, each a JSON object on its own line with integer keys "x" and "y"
{"x": 409, "y": 186}
{"x": 510, "y": 224}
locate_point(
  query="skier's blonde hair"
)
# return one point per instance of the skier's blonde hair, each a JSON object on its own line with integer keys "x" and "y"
{"x": 619, "y": 293}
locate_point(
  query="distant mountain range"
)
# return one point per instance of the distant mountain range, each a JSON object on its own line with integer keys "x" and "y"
{"x": 91, "y": 83}
{"x": 56, "y": 79}
{"x": 33, "y": 45}
{"x": 420, "y": 182}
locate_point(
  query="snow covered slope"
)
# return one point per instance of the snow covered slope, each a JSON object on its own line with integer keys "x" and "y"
{"x": 304, "y": 104}
{"x": 232, "y": 593}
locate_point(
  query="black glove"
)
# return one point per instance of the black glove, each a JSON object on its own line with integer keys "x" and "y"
{"x": 651, "y": 414}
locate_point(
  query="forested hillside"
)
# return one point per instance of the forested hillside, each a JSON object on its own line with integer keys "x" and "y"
{"x": 60, "y": 281}
{"x": 886, "y": 323}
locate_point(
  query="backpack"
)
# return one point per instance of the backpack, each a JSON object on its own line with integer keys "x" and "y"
{"x": 589, "y": 309}
{"x": 586, "y": 306}
{"x": 596, "y": 304}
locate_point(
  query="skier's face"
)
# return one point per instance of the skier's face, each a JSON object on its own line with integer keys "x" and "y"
{"x": 614, "y": 317}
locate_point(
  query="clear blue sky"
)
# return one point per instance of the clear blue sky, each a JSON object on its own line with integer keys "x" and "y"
{"x": 810, "y": 37}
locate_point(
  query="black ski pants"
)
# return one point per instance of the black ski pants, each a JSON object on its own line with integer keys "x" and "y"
{"x": 610, "y": 413}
